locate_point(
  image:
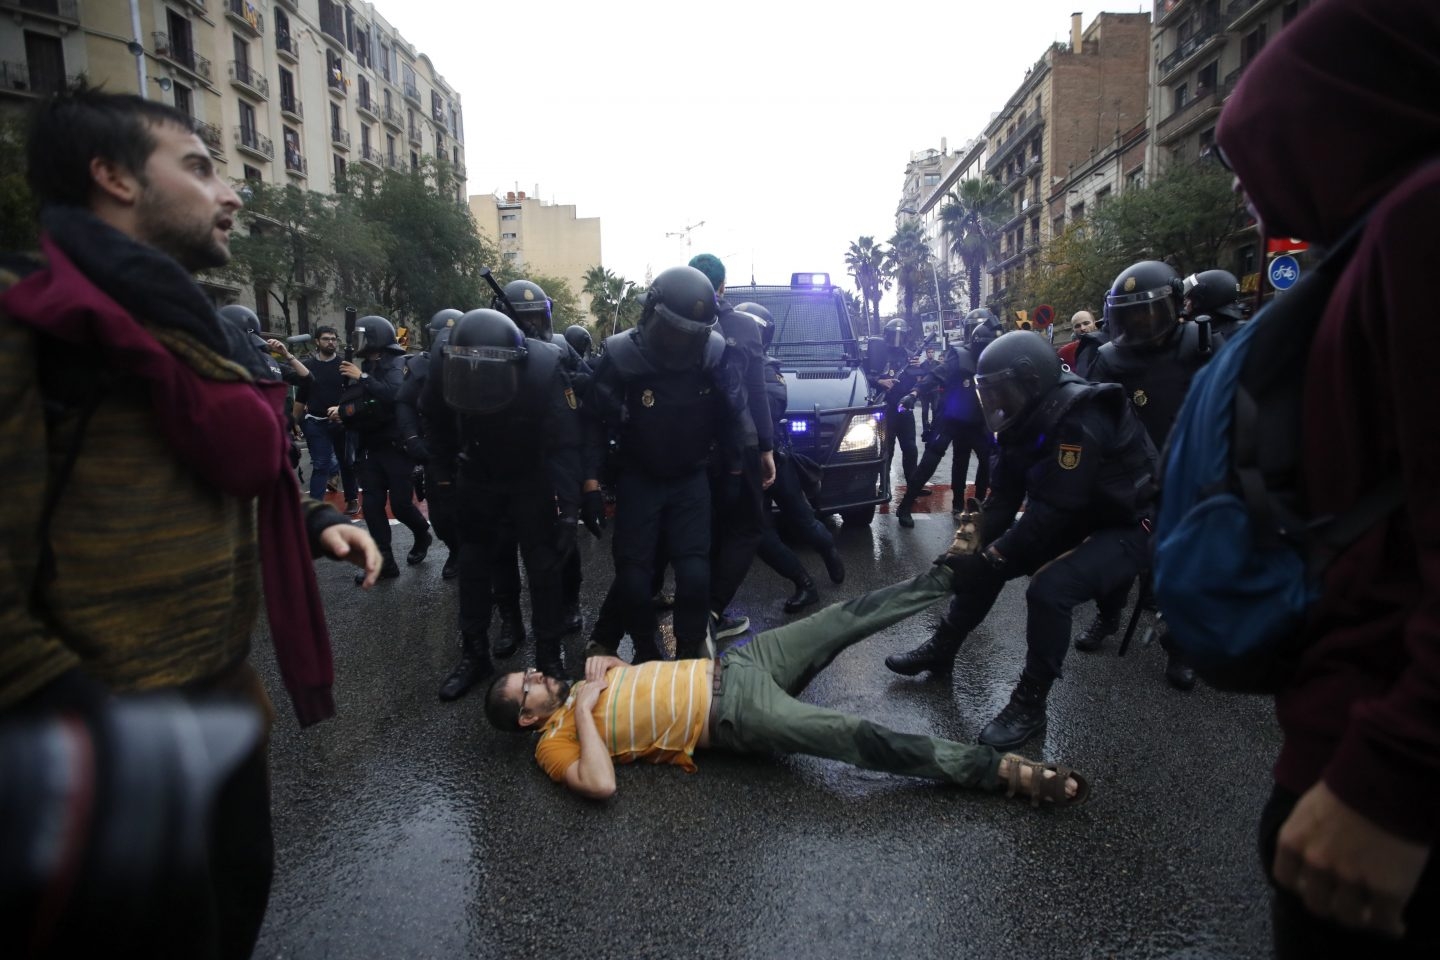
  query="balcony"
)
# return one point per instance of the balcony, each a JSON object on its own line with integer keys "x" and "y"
{"x": 1165, "y": 9}
{"x": 1200, "y": 109}
{"x": 1029, "y": 123}
{"x": 65, "y": 11}
{"x": 22, "y": 80}
{"x": 202, "y": 5}
{"x": 247, "y": 19}
{"x": 336, "y": 82}
{"x": 366, "y": 106}
{"x": 459, "y": 171}
{"x": 291, "y": 108}
{"x": 246, "y": 78}
{"x": 332, "y": 28}
{"x": 210, "y": 135}
{"x": 372, "y": 156}
{"x": 1210, "y": 33}
{"x": 392, "y": 162}
{"x": 411, "y": 92}
{"x": 392, "y": 118}
{"x": 295, "y": 164}
{"x": 255, "y": 143}
{"x": 183, "y": 57}
{"x": 437, "y": 113}
{"x": 415, "y": 135}
{"x": 340, "y": 138}
{"x": 286, "y": 46}
{"x": 1242, "y": 13}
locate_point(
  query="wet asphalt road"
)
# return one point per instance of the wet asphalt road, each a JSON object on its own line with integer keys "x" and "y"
{"x": 408, "y": 828}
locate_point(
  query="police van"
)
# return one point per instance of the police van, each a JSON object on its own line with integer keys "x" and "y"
{"x": 828, "y": 418}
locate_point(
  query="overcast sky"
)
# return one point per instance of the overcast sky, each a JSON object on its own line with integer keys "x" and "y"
{"x": 784, "y": 126}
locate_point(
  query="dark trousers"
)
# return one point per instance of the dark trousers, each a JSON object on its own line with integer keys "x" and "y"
{"x": 672, "y": 514}
{"x": 443, "y": 507}
{"x": 1300, "y": 935}
{"x": 1093, "y": 567}
{"x": 484, "y": 508}
{"x": 900, "y": 429}
{"x": 738, "y": 523}
{"x": 966, "y": 438}
{"x": 796, "y": 520}
{"x": 326, "y": 443}
{"x": 385, "y": 473}
{"x": 506, "y": 580}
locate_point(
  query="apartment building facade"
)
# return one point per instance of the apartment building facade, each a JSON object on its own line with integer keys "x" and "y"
{"x": 930, "y": 178}
{"x": 540, "y": 237}
{"x": 283, "y": 91}
{"x": 1073, "y": 101}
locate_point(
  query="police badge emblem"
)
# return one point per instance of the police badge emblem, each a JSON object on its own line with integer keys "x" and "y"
{"x": 1069, "y": 456}
{"x": 647, "y": 398}
{"x": 1140, "y": 398}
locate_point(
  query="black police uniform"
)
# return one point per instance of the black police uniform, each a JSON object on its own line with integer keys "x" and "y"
{"x": 383, "y": 468}
{"x": 519, "y": 466}
{"x": 1083, "y": 467}
{"x": 1087, "y": 348}
{"x": 667, "y": 422}
{"x": 506, "y": 581}
{"x": 796, "y": 517}
{"x": 738, "y": 498}
{"x": 899, "y": 417}
{"x": 961, "y": 423}
{"x": 414, "y": 430}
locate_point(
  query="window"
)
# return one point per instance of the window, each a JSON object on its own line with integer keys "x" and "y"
{"x": 439, "y": 144}
{"x": 282, "y": 28}
{"x": 932, "y": 179}
{"x": 334, "y": 70}
{"x": 184, "y": 100}
{"x": 251, "y": 173}
{"x": 339, "y": 167}
{"x": 365, "y": 139}
{"x": 242, "y": 55}
{"x": 414, "y": 160}
{"x": 1102, "y": 196}
{"x": 1135, "y": 179}
{"x": 1182, "y": 96}
{"x": 288, "y": 102}
{"x": 291, "y": 139}
{"x": 178, "y": 29}
{"x": 1251, "y": 44}
{"x": 1077, "y": 212}
{"x": 385, "y": 65}
{"x": 507, "y": 216}
{"x": 1246, "y": 261}
{"x": 247, "y": 123}
{"x": 361, "y": 46}
{"x": 302, "y": 313}
{"x": 364, "y": 88}
{"x": 1205, "y": 79}
{"x": 1290, "y": 11}
{"x": 1057, "y": 226}
{"x": 390, "y": 149}
{"x": 46, "y": 60}
{"x": 507, "y": 236}
{"x": 512, "y": 255}
{"x": 336, "y": 123}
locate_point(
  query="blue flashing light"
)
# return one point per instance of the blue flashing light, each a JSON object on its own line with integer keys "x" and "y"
{"x": 799, "y": 426}
{"x": 810, "y": 280}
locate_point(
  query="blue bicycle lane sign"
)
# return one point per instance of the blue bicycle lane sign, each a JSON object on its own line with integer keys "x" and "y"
{"x": 1284, "y": 272}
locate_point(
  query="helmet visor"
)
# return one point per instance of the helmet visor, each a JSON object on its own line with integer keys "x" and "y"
{"x": 1004, "y": 398}
{"x": 675, "y": 342}
{"x": 1133, "y": 319}
{"x": 481, "y": 379}
{"x": 534, "y": 320}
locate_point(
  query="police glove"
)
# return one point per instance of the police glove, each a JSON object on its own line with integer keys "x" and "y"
{"x": 592, "y": 511}
{"x": 967, "y": 534}
{"x": 564, "y": 536}
{"x": 416, "y": 449}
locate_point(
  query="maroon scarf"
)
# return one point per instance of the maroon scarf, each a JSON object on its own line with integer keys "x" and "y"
{"x": 232, "y": 433}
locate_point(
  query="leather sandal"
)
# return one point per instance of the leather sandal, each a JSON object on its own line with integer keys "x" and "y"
{"x": 1042, "y": 788}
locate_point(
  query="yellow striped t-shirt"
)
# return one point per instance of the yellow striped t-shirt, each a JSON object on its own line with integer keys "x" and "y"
{"x": 654, "y": 712}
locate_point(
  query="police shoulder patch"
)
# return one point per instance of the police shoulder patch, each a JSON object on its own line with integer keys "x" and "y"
{"x": 570, "y": 397}
{"x": 647, "y": 398}
{"x": 1069, "y": 456}
{"x": 1140, "y": 398}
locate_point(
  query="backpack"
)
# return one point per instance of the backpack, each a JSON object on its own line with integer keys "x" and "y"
{"x": 1238, "y": 561}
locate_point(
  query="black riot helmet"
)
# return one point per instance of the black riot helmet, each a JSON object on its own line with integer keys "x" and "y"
{"x": 678, "y": 317}
{"x": 243, "y": 317}
{"x": 531, "y": 308}
{"x": 1011, "y": 376}
{"x": 444, "y": 318}
{"x": 374, "y": 334}
{"x": 982, "y": 328}
{"x": 895, "y": 332}
{"x": 1213, "y": 292}
{"x": 764, "y": 319}
{"x": 483, "y": 361}
{"x": 1143, "y": 305}
{"x": 579, "y": 339}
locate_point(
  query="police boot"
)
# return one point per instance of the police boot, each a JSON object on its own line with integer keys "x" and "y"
{"x": 902, "y": 512}
{"x": 473, "y": 667}
{"x": 1022, "y": 718}
{"x": 549, "y": 658}
{"x": 1093, "y": 638}
{"x": 1178, "y": 672}
{"x": 451, "y": 570}
{"x": 834, "y": 565}
{"x": 805, "y": 595}
{"x": 389, "y": 569}
{"x": 420, "y": 548}
{"x": 936, "y": 654}
{"x": 573, "y": 621}
{"x": 512, "y": 629}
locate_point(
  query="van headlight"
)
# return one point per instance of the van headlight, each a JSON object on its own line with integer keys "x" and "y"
{"x": 860, "y": 436}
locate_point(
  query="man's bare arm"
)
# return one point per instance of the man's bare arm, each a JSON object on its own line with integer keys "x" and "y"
{"x": 593, "y": 775}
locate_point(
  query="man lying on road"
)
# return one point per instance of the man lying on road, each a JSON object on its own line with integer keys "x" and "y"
{"x": 744, "y": 701}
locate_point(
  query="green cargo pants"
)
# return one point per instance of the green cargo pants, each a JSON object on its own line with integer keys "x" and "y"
{"x": 758, "y": 712}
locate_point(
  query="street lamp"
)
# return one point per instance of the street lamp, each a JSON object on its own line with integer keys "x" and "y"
{"x": 614, "y": 325}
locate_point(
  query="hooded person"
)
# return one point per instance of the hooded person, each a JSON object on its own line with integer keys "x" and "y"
{"x": 1349, "y": 831}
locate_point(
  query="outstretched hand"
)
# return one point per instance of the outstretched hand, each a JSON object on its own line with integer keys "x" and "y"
{"x": 345, "y": 541}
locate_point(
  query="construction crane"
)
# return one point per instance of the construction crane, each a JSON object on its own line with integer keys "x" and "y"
{"x": 685, "y": 234}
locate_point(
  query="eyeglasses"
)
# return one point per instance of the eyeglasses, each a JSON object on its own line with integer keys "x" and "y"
{"x": 525, "y": 686}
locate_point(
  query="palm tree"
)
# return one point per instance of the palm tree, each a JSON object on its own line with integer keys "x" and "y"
{"x": 971, "y": 217}
{"x": 908, "y": 260}
{"x": 867, "y": 265}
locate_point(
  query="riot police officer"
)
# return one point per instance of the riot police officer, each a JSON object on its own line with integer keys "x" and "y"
{"x": 795, "y": 514}
{"x": 960, "y": 421}
{"x": 1077, "y": 457}
{"x": 514, "y": 429}
{"x": 1154, "y": 355}
{"x": 383, "y": 469}
{"x": 439, "y": 477}
{"x": 663, "y": 389}
{"x": 1214, "y": 294}
{"x": 580, "y": 340}
{"x": 896, "y": 382}
{"x": 249, "y": 322}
